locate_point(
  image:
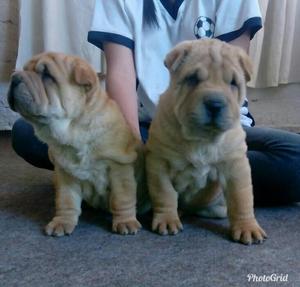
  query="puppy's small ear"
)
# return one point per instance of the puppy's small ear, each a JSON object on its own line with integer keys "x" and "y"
{"x": 246, "y": 65}
{"x": 176, "y": 58}
{"x": 84, "y": 75}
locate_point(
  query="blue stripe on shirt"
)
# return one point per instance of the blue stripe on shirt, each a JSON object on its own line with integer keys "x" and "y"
{"x": 98, "y": 38}
{"x": 252, "y": 25}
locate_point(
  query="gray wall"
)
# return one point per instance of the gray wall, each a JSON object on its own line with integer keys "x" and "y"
{"x": 9, "y": 23}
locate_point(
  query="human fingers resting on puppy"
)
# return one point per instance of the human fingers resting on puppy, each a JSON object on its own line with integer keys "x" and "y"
{"x": 92, "y": 148}
{"x": 196, "y": 151}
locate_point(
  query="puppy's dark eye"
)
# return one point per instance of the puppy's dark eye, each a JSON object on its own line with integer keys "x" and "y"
{"x": 192, "y": 80}
{"x": 46, "y": 75}
{"x": 234, "y": 83}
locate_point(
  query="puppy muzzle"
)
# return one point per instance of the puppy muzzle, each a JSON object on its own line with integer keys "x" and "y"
{"x": 213, "y": 111}
{"x": 14, "y": 83}
{"x": 20, "y": 94}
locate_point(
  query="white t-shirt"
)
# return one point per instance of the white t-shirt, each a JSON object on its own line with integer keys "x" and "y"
{"x": 121, "y": 22}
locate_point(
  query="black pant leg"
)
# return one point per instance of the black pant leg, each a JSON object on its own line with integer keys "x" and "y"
{"x": 28, "y": 146}
{"x": 274, "y": 157}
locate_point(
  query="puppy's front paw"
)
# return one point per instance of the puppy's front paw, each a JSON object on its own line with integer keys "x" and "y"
{"x": 126, "y": 227}
{"x": 248, "y": 232}
{"x": 60, "y": 227}
{"x": 166, "y": 223}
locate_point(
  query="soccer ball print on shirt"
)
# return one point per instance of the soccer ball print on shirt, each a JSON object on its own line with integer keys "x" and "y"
{"x": 204, "y": 28}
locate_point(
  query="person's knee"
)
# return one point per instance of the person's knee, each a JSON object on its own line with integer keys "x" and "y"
{"x": 28, "y": 146}
{"x": 20, "y": 132}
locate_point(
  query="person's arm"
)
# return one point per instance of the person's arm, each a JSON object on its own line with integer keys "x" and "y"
{"x": 242, "y": 41}
{"x": 121, "y": 82}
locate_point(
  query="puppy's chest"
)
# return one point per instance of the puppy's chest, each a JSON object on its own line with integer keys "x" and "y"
{"x": 191, "y": 173}
{"x": 192, "y": 179}
{"x": 92, "y": 172}
{"x": 95, "y": 184}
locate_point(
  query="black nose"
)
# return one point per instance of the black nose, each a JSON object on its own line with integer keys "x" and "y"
{"x": 14, "y": 82}
{"x": 16, "y": 79}
{"x": 214, "y": 106}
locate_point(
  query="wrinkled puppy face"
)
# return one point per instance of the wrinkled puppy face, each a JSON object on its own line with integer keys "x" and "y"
{"x": 208, "y": 84}
{"x": 51, "y": 86}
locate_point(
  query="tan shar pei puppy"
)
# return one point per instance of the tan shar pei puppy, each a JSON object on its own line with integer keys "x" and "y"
{"x": 196, "y": 147}
{"x": 92, "y": 148}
